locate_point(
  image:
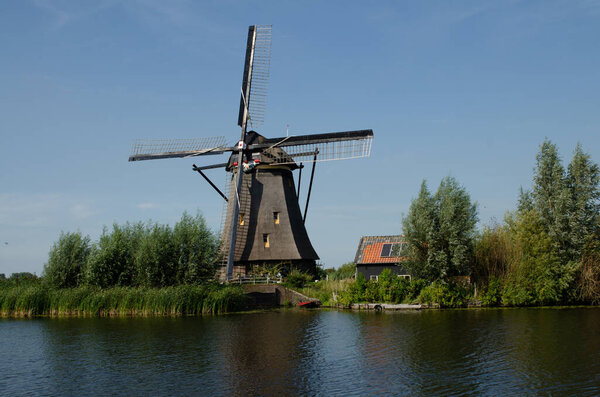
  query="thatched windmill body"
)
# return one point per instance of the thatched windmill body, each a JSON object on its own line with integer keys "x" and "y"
{"x": 263, "y": 222}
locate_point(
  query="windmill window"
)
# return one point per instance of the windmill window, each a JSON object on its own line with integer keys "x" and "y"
{"x": 386, "y": 250}
{"x": 241, "y": 219}
{"x": 276, "y": 218}
{"x": 266, "y": 240}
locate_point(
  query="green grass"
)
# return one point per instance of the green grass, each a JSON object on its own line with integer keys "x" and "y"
{"x": 35, "y": 299}
{"x": 328, "y": 292}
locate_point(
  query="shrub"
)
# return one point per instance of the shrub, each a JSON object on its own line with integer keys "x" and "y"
{"x": 399, "y": 290}
{"x": 492, "y": 294}
{"x": 414, "y": 289}
{"x": 494, "y": 252}
{"x": 297, "y": 279}
{"x": 268, "y": 269}
{"x": 112, "y": 261}
{"x": 66, "y": 260}
{"x": 389, "y": 288}
{"x": 588, "y": 285}
{"x": 537, "y": 276}
{"x": 355, "y": 291}
{"x": 444, "y": 294}
{"x": 156, "y": 260}
{"x": 392, "y": 289}
{"x": 345, "y": 271}
{"x": 153, "y": 255}
{"x": 195, "y": 248}
{"x": 371, "y": 291}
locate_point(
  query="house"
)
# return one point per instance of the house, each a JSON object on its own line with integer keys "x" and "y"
{"x": 376, "y": 253}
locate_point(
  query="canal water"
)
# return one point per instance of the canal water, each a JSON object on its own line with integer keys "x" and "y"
{"x": 307, "y": 352}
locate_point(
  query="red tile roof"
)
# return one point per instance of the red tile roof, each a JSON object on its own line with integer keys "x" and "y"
{"x": 369, "y": 249}
{"x": 372, "y": 254}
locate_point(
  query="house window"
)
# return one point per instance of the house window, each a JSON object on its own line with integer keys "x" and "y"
{"x": 386, "y": 250}
{"x": 266, "y": 240}
{"x": 373, "y": 278}
{"x": 276, "y": 218}
{"x": 241, "y": 219}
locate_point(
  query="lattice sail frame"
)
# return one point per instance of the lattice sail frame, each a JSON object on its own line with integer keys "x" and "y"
{"x": 327, "y": 151}
{"x": 327, "y": 147}
{"x": 147, "y": 149}
{"x": 259, "y": 82}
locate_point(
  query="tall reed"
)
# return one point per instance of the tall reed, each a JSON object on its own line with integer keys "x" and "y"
{"x": 40, "y": 299}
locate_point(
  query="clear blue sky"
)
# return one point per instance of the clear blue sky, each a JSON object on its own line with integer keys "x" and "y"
{"x": 462, "y": 88}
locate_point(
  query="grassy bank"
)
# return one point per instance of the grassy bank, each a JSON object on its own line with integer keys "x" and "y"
{"x": 437, "y": 294}
{"x": 346, "y": 292}
{"x": 329, "y": 292}
{"x": 390, "y": 289}
{"x": 38, "y": 299}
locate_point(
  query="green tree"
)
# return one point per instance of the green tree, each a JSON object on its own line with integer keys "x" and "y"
{"x": 551, "y": 197}
{"x": 112, "y": 261}
{"x": 419, "y": 226}
{"x": 156, "y": 258}
{"x": 66, "y": 260}
{"x": 439, "y": 231}
{"x": 538, "y": 276}
{"x": 195, "y": 247}
{"x": 525, "y": 200}
{"x": 551, "y": 230}
{"x": 583, "y": 178}
{"x": 457, "y": 220}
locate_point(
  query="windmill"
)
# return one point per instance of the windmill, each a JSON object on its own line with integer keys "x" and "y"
{"x": 262, "y": 219}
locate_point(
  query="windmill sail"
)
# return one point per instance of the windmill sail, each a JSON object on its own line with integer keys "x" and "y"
{"x": 252, "y": 107}
{"x": 151, "y": 149}
{"x": 256, "y": 75}
{"x": 330, "y": 146}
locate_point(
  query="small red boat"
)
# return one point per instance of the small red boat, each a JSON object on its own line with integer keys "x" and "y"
{"x": 308, "y": 304}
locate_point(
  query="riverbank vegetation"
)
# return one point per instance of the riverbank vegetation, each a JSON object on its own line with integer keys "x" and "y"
{"x": 545, "y": 252}
{"x": 135, "y": 255}
{"x": 37, "y": 297}
{"x": 388, "y": 289}
{"x": 133, "y": 269}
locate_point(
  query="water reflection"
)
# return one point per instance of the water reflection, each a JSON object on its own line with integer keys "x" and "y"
{"x": 302, "y": 352}
{"x": 262, "y": 350}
